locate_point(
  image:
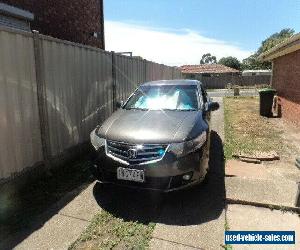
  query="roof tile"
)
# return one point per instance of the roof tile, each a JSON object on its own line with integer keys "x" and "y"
{"x": 207, "y": 68}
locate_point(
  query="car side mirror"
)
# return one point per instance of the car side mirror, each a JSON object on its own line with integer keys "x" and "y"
{"x": 212, "y": 106}
{"x": 119, "y": 104}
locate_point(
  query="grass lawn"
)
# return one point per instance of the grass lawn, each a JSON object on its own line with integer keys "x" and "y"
{"x": 109, "y": 232}
{"x": 246, "y": 130}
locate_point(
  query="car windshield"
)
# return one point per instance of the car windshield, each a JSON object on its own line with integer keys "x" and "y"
{"x": 164, "y": 97}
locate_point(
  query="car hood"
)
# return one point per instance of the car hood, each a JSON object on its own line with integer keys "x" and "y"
{"x": 138, "y": 126}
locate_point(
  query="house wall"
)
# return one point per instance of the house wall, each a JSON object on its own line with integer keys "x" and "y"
{"x": 286, "y": 80}
{"x": 74, "y": 20}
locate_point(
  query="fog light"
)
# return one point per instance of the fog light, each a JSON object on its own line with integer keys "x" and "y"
{"x": 187, "y": 177}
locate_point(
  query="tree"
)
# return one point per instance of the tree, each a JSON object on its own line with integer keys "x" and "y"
{"x": 275, "y": 39}
{"x": 208, "y": 59}
{"x": 253, "y": 62}
{"x": 231, "y": 62}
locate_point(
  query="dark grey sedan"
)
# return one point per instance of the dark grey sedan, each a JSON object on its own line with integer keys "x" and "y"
{"x": 158, "y": 139}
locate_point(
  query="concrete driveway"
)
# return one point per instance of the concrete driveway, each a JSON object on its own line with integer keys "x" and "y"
{"x": 185, "y": 219}
{"x": 189, "y": 219}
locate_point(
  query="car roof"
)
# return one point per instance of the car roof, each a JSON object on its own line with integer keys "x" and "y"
{"x": 172, "y": 82}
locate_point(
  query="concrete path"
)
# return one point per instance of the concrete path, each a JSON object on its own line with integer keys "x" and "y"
{"x": 261, "y": 184}
{"x": 217, "y": 119}
{"x": 66, "y": 226}
{"x": 196, "y": 219}
{"x": 249, "y": 218}
{"x": 264, "y": 192}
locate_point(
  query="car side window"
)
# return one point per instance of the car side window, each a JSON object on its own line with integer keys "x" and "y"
{"x": 202, "y": 97}
{"x": 204, "y": 94}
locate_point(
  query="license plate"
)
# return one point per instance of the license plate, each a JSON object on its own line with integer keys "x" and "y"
{"x": 130, "y": 174}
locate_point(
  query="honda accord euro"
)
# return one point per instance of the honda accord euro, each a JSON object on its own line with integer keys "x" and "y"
{"x": 158, "y": 139}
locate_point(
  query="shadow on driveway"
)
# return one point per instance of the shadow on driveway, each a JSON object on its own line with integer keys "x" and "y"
{"x": 29, "y": 208}
{"x": 193, "y": 206}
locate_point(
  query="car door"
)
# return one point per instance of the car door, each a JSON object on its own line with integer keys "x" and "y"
{"x": 204, "y": 97}
{"x": 206, "y": 114}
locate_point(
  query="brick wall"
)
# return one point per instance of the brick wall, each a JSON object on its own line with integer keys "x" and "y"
{"x": 72, "y": 20}
{"x": 290, "y": 110}
{"x": 286, "y": 80}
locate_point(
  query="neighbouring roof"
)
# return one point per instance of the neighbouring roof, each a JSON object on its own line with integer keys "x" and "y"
{"x": 16, "y": 12}
{"x": 257, "y": 71}
{"x": 288, "y": 46}
{"x": 207, "y": 68}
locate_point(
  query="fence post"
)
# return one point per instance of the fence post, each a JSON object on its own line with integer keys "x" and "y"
{"x": 42, "y": 100}
{"x": 114, "y": 79}
{"x": 145, "y": 70}
{"x": 173, "y": 73}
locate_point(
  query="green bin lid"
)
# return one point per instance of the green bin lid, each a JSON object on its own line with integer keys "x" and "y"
{"x": 267, "y": 90}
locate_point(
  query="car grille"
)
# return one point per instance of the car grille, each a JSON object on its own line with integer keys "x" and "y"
{"x": 135, "y": 154}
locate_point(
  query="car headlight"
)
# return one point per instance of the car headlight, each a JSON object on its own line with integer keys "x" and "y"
{"x": 184, "y": 148}
{"x": 96, "y": 141}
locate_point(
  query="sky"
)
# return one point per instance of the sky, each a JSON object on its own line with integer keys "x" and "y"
{"x": 178, "y": 32}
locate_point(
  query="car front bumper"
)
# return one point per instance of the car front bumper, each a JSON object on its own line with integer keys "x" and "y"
{"x": 164, "y": 175}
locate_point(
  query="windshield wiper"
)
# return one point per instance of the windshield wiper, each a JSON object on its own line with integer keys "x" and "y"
{"x": 136, "y": 109}
{"x": 168, "y": 109}
{"x": 186, "y": 109}
{"x": 179, "y": 109}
